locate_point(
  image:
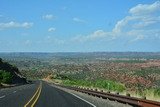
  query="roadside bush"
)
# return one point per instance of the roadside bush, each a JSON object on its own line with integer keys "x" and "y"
{"x": 105, "y": 84}
{"x": 157, "y": 92}
{"x": 5, "y": 77}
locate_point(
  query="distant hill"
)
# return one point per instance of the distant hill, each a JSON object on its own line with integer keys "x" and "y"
{"x": 88, "y": 55}
{"x": 10, "y": 74}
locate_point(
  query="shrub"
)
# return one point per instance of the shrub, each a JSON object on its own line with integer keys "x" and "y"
{"x": 5, "y": 77}
{"x": 106, "y": 84}
{"x": 157, "y": 92}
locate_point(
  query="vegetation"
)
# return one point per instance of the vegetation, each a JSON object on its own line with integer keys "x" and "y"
{"x": 131, "y": 71}
{"x": 127, "y": 61}
{"x": 5, "y": 77}
{"x": 147, "y": 71}
{"x": 102, "y": 84}
{"x": 10, "y": 74}
{"x": 157, "y": 92}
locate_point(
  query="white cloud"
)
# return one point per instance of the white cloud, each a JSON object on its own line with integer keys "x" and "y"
{"x": 27, "y": 42}
{"x": 99, "y": 34}
{"x": 13, "y": 24}
{"x": 51, "y": 40}
{"x": 51, "y": 29}
{"x": 79, "y": 20}
{"x": 48, "y": 17}
{"x": 144, "y": 9}
{"x": 139, "y": 37}
{"x": 142, "y": 22}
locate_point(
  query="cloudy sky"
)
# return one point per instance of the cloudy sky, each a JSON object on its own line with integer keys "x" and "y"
{"x": 79, "y": 25}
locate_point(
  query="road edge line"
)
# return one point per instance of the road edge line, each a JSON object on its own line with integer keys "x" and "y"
{"x": 83, "y": 99}
{"x": 75, "y": 96}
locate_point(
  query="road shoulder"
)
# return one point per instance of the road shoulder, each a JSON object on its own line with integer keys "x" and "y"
{"x": 98, "y": 102}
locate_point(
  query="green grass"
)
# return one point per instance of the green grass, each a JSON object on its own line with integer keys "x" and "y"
{"x": 110, "y": 85}
{"x": 97, "y": 83}
{"x": 151, "y": 93}
{"x": 103, "y": 84}
{"x": 157, "y": 92}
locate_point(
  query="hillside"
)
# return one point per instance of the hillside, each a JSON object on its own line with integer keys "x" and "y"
{"x": 10, "y": 74}
{"x": 137, "y": 72}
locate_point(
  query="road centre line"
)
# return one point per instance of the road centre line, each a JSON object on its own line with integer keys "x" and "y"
{"x": 37, "y": 96}
{"x": 34, "y": 96}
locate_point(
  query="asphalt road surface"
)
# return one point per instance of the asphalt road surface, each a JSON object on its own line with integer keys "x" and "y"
{"x": 39, "y": 94}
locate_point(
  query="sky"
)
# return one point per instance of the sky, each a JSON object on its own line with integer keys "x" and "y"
{"x": 79, "y": 25}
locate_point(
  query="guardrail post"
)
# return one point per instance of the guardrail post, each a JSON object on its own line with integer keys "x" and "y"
{"x": 127, "y": 94}
{"x": 144, "y": 97}
{"x": 117, "y": 93}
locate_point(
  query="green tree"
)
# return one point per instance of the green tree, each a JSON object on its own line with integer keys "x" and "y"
{"x": 5, "y": 77}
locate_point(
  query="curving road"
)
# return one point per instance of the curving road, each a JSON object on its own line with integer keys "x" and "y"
{"x": 39, "y": 94}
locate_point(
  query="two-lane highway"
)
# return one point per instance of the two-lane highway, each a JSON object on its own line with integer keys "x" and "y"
{"x": 17, "y": 96}
{"x": 53, "y": 97}
{"x": 39, "y": 94}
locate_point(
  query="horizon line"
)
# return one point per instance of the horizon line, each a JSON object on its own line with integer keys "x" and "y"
{"x": 84, "y": 52}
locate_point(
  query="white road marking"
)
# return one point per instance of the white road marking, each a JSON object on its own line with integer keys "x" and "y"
{"x": 14, "y": 91}
{"x": 75, "y": 96}
{"x": 2, "y": 96}
{"x": 83, "y": 100}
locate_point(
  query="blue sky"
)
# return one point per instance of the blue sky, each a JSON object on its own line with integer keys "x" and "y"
{"x": 79, "y": 25}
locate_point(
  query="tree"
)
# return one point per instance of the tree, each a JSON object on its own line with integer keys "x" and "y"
{"x": 5, "y": 77}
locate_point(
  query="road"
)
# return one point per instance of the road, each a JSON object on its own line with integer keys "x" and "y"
{"x": 39, "y": 94}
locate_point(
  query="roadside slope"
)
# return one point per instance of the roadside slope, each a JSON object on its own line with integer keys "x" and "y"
{"x": 10, "y": 74}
